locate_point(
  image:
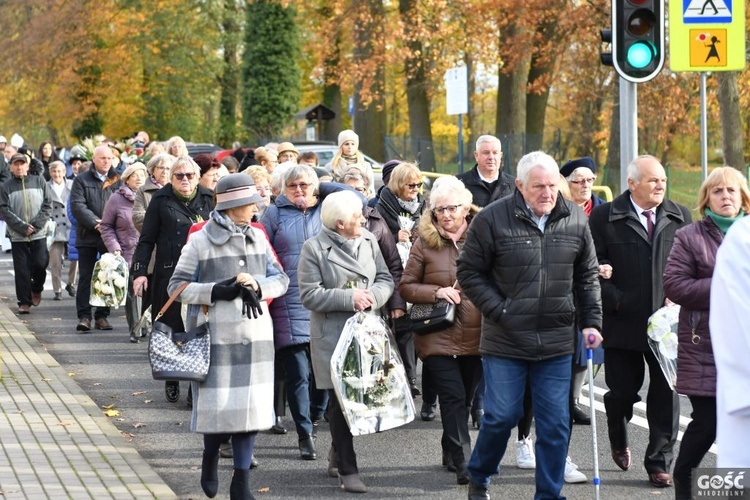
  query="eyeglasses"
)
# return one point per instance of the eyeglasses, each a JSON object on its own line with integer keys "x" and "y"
{"x": 162, "y": 167}
{"x": 587, "y": 180}
{"x": 300, "y": 185}
{"x": 416, "y": 185}
{"x": 263, "y": 189}
{"x": 451, "y": 209}
{"x": 182, "y": 175}
{"x": 360, "y": 189}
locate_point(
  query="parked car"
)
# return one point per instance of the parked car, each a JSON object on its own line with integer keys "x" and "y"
{"x": 196, "y": 148}
{"x": 326, "y": 150}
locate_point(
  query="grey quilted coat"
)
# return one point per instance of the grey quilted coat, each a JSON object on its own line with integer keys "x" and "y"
{"x": 238, "y": 394}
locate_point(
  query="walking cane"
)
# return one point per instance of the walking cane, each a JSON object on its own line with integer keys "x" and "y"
{"x": 590, "y": 366}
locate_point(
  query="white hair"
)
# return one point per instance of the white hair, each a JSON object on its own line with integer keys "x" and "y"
{"x": 449, "y": 187}
{"x": 487, "y": 138}
{"x": 339, "y": 206}
{"x": 634, "y": 168}
{"x": 278, "y": 177}
{"x": 536, "y": 159}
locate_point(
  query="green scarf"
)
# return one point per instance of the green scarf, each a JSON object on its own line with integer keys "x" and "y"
{"x": 724, "y": 223}
{"x": 183, "y": 198}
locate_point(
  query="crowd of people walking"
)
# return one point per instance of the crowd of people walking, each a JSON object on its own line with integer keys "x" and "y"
{"x": 276, "y": 252}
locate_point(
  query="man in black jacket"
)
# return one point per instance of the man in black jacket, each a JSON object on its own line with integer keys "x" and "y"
{"x": 89, "y": 194}
{"x": 523, "y": 259}
{"x": 486, "y": 181}
{"x": 634, "y": 234}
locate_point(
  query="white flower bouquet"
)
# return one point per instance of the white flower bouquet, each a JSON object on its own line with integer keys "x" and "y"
{"x": 662, "y": 338}
{"x": 369, "y": 378}
{"x": 109, "y": 283}
{"x": 405, "y": 221}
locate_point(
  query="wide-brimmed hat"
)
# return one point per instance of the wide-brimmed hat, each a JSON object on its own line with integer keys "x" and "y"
{"x": 287, "y": 146}
{"x": 236, "y": 190}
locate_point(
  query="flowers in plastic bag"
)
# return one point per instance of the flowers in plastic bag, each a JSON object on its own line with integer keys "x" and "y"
{"x": 109, "y": 281}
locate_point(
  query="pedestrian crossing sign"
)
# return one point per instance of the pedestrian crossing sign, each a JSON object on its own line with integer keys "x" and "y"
{"x": 706, "y": 35}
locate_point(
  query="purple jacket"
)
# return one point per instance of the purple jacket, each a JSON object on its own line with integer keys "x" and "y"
{"x": 118, "y": 231}
{"x": 687, "y": 282}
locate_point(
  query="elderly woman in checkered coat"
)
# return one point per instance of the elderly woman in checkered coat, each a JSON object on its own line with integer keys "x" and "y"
{"x": 231, "y": 268}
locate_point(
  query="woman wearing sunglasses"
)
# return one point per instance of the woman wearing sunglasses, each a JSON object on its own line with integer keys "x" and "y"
{"x": 401, "y": 205}
{"x": 171, "y": 212}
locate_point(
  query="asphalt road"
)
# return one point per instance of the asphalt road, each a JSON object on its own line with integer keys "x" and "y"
{"x": 402, "y": 463}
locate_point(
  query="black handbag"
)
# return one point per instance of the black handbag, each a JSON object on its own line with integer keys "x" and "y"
{"x": 431, "y": 318}
{"x": 184, "y": 356}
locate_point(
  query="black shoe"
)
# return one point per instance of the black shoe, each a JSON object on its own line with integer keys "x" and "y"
{"x": 448, "y": 462}
{"x": 462, "y": 474}
{"x": 172, "y": 391}
{"x": 579, "y": 416}
{"x": 253, "y": 462}
{"x": 71, "y": 290}
{"x": 84, "y": 325}
{"x": 478, "y": 492}
{"x": 190, "y": 396}
{"x": 58, "y": 296}
{"x": 240, "y": 487}
{"x": 210, "y": 475}
{"x": 133, "y": 338}
{"x": 413, "y": 387}
{"x": 278, "y": 427}
{"x": 226, "y": 451}
{"x": 476, "y": 417}
{"x": 307, "y": 448}
{"x": 428, "y": 412}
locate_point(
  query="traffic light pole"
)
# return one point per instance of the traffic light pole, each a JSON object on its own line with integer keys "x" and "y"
{"x": 628, "y": 128}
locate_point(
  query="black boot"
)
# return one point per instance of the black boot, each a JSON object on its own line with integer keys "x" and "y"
{"x": 580, "y": 416}
{"x": 210, "y": 475}
{"x": 240, "y": 488}
{"x": 172, "y": 391}
{"x": 478, "y": 492}
{"x": 307, "y": 448}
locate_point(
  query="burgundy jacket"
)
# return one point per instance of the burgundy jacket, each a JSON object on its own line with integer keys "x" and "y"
{"x": 687, "y": 282}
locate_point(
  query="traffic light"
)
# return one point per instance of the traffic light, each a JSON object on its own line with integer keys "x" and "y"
{"x": 638, "y": 38}
{"x": 606, "y": 57}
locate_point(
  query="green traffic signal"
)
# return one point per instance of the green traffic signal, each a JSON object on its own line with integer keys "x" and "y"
{"x": 640, "y": 54}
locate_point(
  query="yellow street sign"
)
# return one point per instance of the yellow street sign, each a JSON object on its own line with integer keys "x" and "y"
{"x": 707, "y": 35}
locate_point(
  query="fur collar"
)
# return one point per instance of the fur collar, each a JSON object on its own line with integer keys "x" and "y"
{"x": 432, "y": 235}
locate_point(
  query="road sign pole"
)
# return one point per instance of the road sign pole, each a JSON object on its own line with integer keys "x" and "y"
{"x": 628, "y": 128}
{"x": 460, "y": 144}
{"x": 704, "y": 128}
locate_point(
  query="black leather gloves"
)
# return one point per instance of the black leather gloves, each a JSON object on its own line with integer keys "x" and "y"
{"x": 250, "y": 303}
{"x": 225, "y": 290}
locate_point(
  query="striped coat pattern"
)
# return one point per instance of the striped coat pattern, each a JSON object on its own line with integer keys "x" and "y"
{"x": 238, "y": 394}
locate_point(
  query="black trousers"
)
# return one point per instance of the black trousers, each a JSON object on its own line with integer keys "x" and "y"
{"x": 30, "y": 260}
{"x": 86, "y": 261}
{"x": 624, "y": 374}
{"x": 455, "y": 379}
{"x": 405, "y": 342}
{"x": 342, "y": 440}
{"x": 698, "y": 438}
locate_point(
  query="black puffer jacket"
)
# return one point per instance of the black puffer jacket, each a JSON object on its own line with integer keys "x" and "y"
{"x": 482, "y": 196}
{"x": 522, "y": 280}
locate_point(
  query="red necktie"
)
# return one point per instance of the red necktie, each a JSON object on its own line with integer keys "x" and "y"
{"x": 649, "y": 224}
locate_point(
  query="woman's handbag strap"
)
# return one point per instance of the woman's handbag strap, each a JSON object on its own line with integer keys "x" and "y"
{"x": 172, "y": 298}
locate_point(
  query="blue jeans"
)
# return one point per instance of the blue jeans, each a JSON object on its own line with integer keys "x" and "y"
{"x": 306, "y": 403}
{"x": 505, "y": 384}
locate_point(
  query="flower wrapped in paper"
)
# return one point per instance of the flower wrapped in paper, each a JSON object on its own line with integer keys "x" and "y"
{"x": 405, "y": 222}
{"x": 369, "y": 378}
{"x": 109, "y": 282}
{"x": 662, "y": 339}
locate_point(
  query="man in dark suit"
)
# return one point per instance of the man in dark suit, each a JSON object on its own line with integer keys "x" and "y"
{"x": 634, "y": 234}
{"x": 486, "y": 181}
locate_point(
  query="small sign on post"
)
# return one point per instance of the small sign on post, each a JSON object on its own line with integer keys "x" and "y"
{"x": 457, "y": 91}
{"x": 707, "y": 35}
{"x": 457, "y": 103}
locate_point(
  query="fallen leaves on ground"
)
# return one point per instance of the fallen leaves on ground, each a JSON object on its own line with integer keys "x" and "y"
{"x": 265, "y": 489}
{"x": 112, "y": 413}
{"x": 64, "y": 423}
{"x": 139, "y": 393}
{"x": 71, "y": 374}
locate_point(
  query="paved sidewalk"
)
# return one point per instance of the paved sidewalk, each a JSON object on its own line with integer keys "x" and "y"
{"x": 54, "y": 441}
